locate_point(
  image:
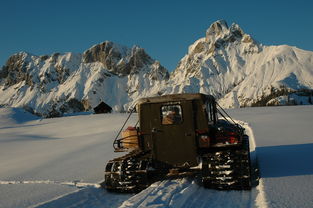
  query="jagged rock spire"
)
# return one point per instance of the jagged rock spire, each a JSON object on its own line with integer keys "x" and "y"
{"x": 216, "y": 29}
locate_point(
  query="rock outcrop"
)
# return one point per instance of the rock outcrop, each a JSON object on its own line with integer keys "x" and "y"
{"x": 52, "y": 85}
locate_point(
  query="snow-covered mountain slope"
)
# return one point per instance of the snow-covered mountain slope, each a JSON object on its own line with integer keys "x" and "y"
{"x": 65, "y": 83}
{"x": 226, "y": 63}
{"x": 232, "y": 66}
{"x": 59, "y": 162}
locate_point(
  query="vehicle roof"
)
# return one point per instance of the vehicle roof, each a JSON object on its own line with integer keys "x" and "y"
{"x": 175, "y": 98}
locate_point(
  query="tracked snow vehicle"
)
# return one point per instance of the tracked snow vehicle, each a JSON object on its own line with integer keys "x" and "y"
{"x": 180, "y": 135}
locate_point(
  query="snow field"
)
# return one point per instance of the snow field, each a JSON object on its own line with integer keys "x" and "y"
{"x": 59, "y": 163}
{"x": 52, "y": 157}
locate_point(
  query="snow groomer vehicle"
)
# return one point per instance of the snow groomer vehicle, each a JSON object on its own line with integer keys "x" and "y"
{"x": 180, "y": 135}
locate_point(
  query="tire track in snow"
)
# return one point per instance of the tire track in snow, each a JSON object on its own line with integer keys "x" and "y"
{"x": 77, "y": 183}
{"x": 187, "y": 193}
{"x": 159, "y": 194}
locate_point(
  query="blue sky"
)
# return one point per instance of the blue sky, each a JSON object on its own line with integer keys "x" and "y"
{"x": 164, "y": 28}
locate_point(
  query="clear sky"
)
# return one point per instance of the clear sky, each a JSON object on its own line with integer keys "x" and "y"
{"x": 164, "y": 28}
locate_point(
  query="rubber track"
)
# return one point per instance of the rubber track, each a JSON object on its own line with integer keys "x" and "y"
{"x": 128, "y": 173}
{"x": 228, "y": 169}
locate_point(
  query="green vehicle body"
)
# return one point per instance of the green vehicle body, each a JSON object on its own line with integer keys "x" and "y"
{"x": 178, "y": 134}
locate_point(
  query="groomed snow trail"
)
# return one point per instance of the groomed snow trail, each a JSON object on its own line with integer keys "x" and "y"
{"x": 188, "y": 193}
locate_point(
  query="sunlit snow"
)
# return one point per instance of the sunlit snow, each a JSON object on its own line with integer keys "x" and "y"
{"x": 59, "y": 162}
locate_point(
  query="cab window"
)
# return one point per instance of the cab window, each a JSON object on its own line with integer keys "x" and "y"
{"x": 210, "y": 112}
{"x": 171, "y": 114}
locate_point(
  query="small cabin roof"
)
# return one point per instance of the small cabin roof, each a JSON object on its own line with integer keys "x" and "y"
{"x": 175, "y": 98}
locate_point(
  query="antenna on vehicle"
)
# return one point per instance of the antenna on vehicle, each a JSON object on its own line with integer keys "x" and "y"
{"x": 223, "y": 111}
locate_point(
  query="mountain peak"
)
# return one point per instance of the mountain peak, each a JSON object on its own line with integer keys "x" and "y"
{"x": 220, "y": 30}
{"x": 217, "y": 28}
{"x": 118, "y": 59}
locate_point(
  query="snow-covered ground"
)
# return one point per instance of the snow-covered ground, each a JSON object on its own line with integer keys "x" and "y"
{"x": 59, "y": 162}
{"x": 284, "y": 146}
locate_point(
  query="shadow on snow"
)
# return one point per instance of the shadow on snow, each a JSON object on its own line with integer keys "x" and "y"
{"x": 285, "y": 160}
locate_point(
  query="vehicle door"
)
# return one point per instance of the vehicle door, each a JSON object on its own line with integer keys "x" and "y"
{"x": 173, "y": 133}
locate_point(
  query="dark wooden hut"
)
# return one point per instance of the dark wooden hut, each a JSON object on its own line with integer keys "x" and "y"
{"x": 102, "y": 108}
